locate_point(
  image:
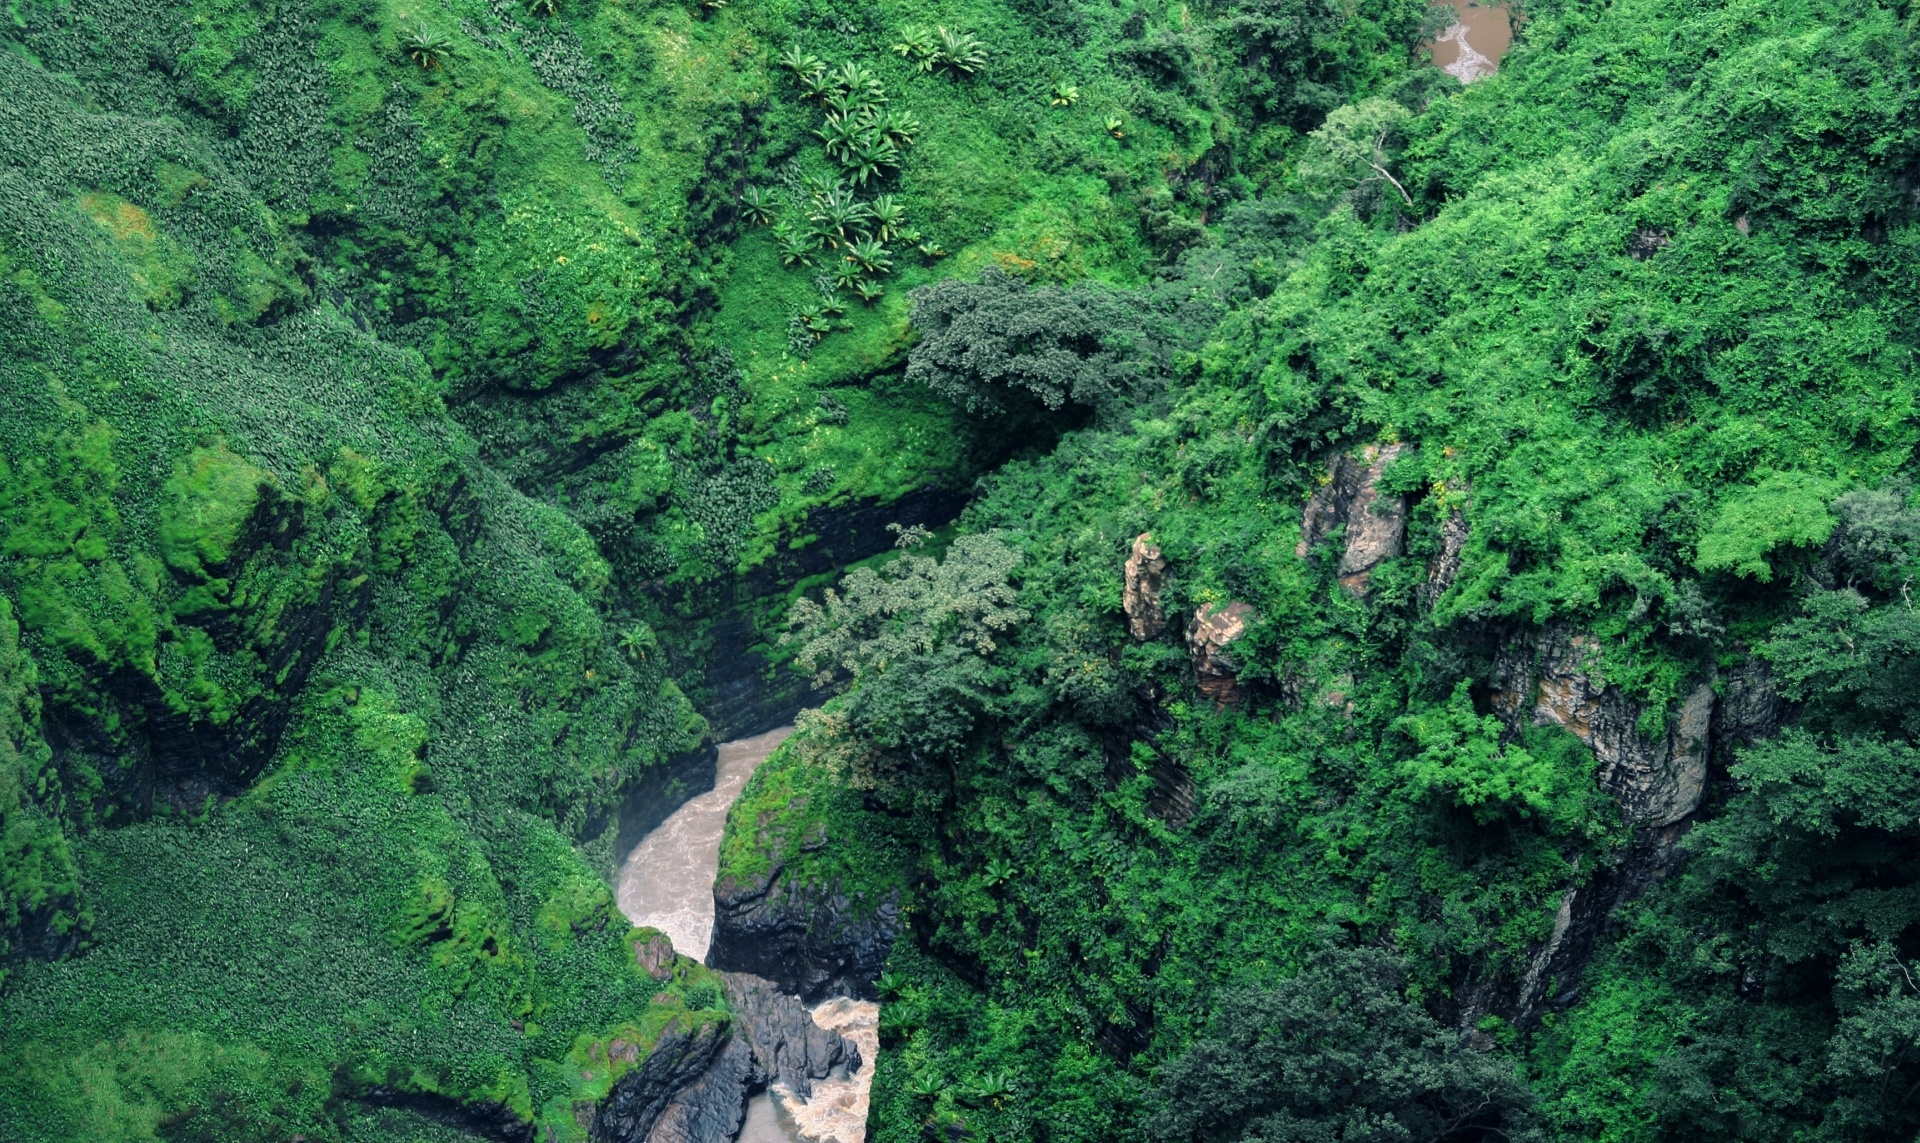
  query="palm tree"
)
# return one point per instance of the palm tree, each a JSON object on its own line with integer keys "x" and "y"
{"x": 917, "y": 47}
{"x": 960, "y": 52}
{"x": 900, "y": 126}
{"x": 757, "y": 205}
{"x": 802, "y": 65}
{"x": 870, "y": 156}
{"x": 839, "y": 134}
{"x": 838, "y": 216}
{"x": 1116, "y": 127}
{"x": 1065, "y": 94}
{"x": 796, "y": 246}
{"x": 888, "y": 216}
{"x": 870, "y": 255}
{"x": 818, "y": 85}
{"x": 870, "y": 292}
{"x": 859, "y": 83}
{"x": 426, "y": 47}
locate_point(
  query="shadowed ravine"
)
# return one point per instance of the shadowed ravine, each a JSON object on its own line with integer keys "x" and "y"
{"x": 667, "y": 883}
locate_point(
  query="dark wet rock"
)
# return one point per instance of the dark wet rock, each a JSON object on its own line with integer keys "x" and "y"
{"x": 744, "y": 693}
{"x": 772, "y": 1041}
{"x": 813, "y": 941}
{"x": 786, "y": 1046}
{"x": 681, "y": 1058}
{"x": 1145, "y": 571}
{"x": 712, "y": 1108}
{"x": 1750, "y": 709}
{"x": 1375, "y": 523}
{"x": 1215, "y": 628}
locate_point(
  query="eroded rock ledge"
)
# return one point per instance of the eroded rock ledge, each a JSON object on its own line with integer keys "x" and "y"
{"x": 693, "y": 1088}
{"x": 814, "y": 941}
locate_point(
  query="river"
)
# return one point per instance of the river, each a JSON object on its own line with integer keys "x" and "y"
{"x": 667, "y": 883}
{"x": 1470, "y": 48}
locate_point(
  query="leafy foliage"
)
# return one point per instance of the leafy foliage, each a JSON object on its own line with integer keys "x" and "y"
{"x": 1336, "y": 1053}
{"x": 982, "y": 338}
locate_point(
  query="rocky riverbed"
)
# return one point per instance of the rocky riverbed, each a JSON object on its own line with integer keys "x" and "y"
{"x": 787, "y": 1073}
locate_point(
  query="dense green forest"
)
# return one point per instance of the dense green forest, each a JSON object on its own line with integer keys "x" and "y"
{"x": 1397, "y": 624}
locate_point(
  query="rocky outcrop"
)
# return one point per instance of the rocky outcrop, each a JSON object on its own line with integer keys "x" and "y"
{"x": 1444, "y": 568}
{"x": 711, "y": 1108}
{"x": 681, "y": 1058}
{"x": 813, "y": 941}
{"x": 786, "y": 1046}
{"x": 1376, "y": 523}
{"x": 1215, "y": 628}
{"x": 653, "y": 954}
{"x": 773, "y": 1041}
{"x": 1146, "y": 570}
{"x": 1550, "y": 678}
{"x": 1554, "y": 680}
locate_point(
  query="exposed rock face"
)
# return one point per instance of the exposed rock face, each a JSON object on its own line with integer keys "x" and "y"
{"x": 1551, "y": 678}
{"x": 1444, "y": 568}
{"x": 680, "y": 1059}
{"x": 1376, "y": 523}
{"x": 1146, "y": 569}
{"x": 786, "y": 1046}
{"x": 1215, "y": 628}
{"x": 744, "y": 693}
{"x": 711, "y": 1108}
{"x": 1750, "y": 709}
{"x": 1656, "y": 782}
{"x": 811, "y": 940}
{"x": 774, "y": 1041}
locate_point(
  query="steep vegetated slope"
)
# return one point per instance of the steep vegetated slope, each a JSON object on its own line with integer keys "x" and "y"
{"x": 1426, "y": 656}
{"x": 413, "y": 415}
{"x": 1455, "y": 686}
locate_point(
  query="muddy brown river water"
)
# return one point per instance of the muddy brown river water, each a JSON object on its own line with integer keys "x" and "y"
{"x": 667, "y": 883}
{"x": 1471, "y": 47}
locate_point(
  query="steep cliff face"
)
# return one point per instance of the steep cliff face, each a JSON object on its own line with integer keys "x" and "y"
{"x": 813, "y": 940}
{"x": 1549, "y": 677}
{"x": 693, "y": 1088}
{"x": 730, "y": 628}
{"x": 680, "y": 1059}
